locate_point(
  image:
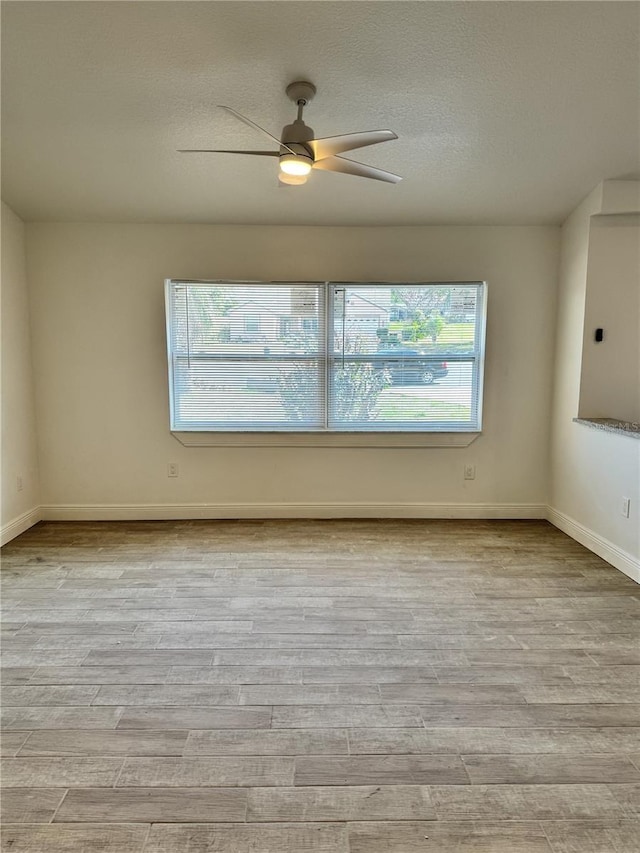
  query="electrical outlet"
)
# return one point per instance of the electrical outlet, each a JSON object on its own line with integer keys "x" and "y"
{"x": 172, "y": 469}
{"x": 469, "y": 472}
{"x": 624, "y": 507}
{"x": 19, "y": 484}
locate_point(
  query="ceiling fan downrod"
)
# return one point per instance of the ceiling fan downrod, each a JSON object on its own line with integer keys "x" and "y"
{"x": 301, "y": 92}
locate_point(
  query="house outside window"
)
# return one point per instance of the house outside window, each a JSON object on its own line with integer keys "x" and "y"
{"x": 325, "y": 356}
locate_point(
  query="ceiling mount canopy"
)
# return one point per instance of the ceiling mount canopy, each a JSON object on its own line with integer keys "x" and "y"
{"x": 301, "y": 91}
{"x": 299, "y": 151}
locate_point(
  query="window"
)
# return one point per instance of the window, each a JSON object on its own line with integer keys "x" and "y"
{"x": 325, "y": 357}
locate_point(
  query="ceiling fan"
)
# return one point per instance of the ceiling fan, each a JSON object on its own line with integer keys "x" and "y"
{"x": 299, "y": 151}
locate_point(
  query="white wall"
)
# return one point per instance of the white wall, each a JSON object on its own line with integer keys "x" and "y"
{"x": 101, "y": 376}
{"x": 610, "y": 380}
{"x": 20, "y": 507}
{"x": 591, "y": 471}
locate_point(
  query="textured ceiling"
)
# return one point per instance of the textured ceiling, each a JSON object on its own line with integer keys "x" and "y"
{"x": 505, "y": 112}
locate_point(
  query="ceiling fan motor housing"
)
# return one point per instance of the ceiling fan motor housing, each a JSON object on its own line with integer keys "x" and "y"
{"x": 294, "y": 136}
{"x": 297, "y": 133}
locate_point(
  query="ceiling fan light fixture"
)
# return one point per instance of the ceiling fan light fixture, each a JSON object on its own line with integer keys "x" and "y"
{"x": 292, "y": 180}
{"x": 295, "y": 164}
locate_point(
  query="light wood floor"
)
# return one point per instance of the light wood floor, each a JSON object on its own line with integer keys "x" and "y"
{"x": 318, "y": 687}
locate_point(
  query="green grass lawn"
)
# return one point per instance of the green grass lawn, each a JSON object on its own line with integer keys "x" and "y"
{"x": 409, "y": 409}
{"x": 454, "y": 337}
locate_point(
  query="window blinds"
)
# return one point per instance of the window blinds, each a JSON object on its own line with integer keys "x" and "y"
{"x": 246, "y": 356}
{"x": 324, "y": 356}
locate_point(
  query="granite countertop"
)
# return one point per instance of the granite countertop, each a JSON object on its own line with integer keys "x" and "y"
{"x": 630, "y": 428}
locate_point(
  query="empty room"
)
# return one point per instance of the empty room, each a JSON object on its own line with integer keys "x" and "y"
{"x": 320, "y": 511}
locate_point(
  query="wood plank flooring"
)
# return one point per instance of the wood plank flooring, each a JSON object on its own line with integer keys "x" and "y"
{"x": 317, "y": 687}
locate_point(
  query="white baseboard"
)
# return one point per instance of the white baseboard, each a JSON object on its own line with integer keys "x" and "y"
{"x": 149, "y": 512}
{"x": 610, "y": 552}
{"x": 19, "y": 525}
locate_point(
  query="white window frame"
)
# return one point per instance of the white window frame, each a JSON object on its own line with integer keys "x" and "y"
{"x": 447, "y": 435}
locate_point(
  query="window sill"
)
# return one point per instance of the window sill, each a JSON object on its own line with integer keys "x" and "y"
{"x": 334, "y": 439}
{"x": 629, "y": 428}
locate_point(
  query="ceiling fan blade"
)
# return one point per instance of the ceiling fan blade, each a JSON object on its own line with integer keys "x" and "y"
{"x": 350, "y": 167}
{"x": 256, "y": 126}
{"x": 333, "y": 145}
{"x": 227, "y": 151}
